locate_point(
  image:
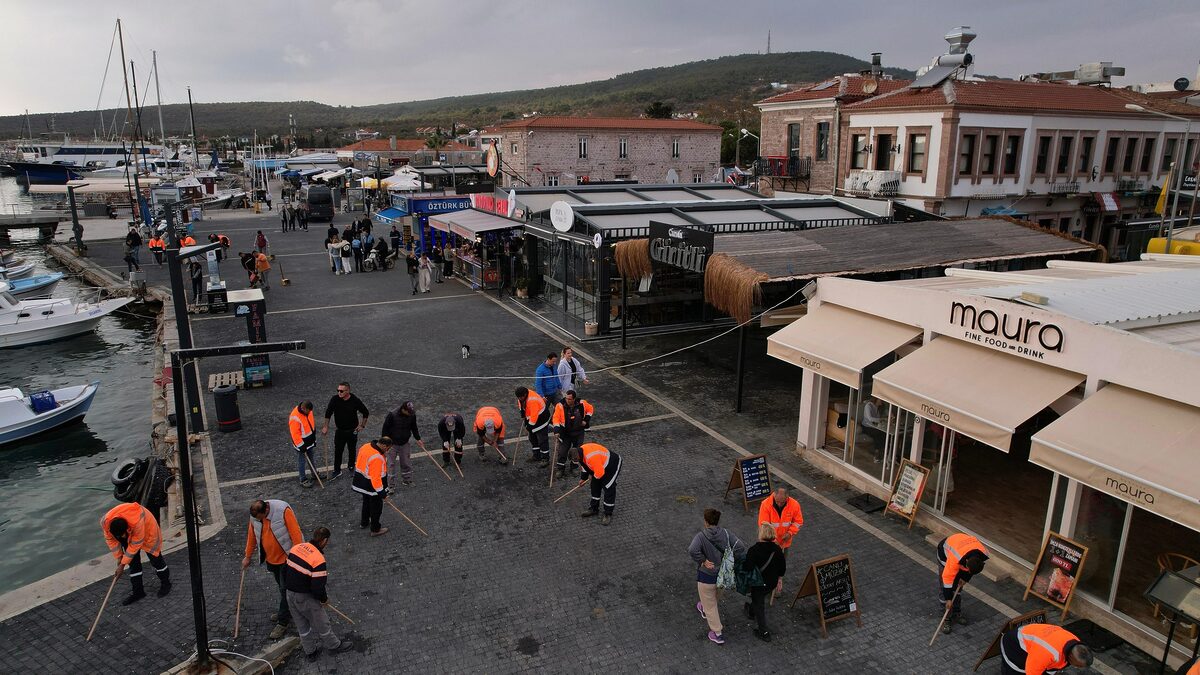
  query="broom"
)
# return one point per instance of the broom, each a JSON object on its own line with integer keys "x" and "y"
{"x": 283, "y": 279}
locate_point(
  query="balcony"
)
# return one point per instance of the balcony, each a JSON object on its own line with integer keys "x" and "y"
{"x": 1070, "y": 187}
{"x": 864, "y": 182}
{"x": 783, "y": 167}
{"x": 1130, "y": 185}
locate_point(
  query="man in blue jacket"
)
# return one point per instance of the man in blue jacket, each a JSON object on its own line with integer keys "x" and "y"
{"x": 546, "y": 382}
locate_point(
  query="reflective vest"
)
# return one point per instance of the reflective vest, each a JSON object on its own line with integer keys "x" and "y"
{"x": 370, "y": 471}
{"x": 489, "y": 413}
{"x": 301, "y": 425}
{"x": 156, "y": 244}
{"x": 572, "y": 419}
{"x": 535, "y": 412}
{"x": 1046, "y": 647}
{"x": 188, "y": 241}
{"x": 306, "y": 571}
{"x": 261, "y": 264}
{"x": 956, "y": 547}
{"x": 283, "y": 531}
{"x": 595, "y": 458}
{"x": 224, "y": 240}
{"x": 786, "y": 522}
{"x": 143, "y": 533}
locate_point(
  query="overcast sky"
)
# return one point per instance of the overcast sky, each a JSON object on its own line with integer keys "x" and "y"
{"x": 350, "y": 52}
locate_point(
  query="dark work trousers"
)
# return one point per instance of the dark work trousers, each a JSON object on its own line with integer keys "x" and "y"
{"x": 343, "y": 440}
{"x": 565, "y": 443}
{"x": 539, "y": 442}
{"x": 458, "y": 452}
{"x": 135, "y": 568}
{"x": 1012, "y": 657}
{"x": 941, "y": 558}
{"x": 285, "y": 615}
{"x": 371, "y": 510}
{"x": 606, "y": 487}
{"x": 758, "y": 605}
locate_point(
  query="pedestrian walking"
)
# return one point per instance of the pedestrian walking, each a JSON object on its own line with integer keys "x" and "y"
{"x": 784, "y": 514}
{"x": 489, "y": 428}
{"x": 129, "y": 530}
{"x": 708, "y": 549}
{"x": 356, "y": 246}
{"x": 602, "y": 466}
{"x": 133, "y": 241}
{"x": 546, "y": 381}
{"x": 768, "y": 558}
{"x": 411, "y": 262}
{"x": 349, "y": 416}
{"x": 451, "y": 430}
{"x": 426, "y": 269}
{"x": 347, "y": 253}
{"x": 304, "y": 438}
{"x": 262, "y": 267}
{"x": 302, "y": 215}
{"x": 306, "y": 577}
{"x": 1040, "y": 648}
{"x": 268, "y": 196}
{"x": 571, "y": 418}
{"x": 196, "y": 274}
{"x": 394, "y": 235}
{"x": 400, "y": 425}
{"x": 371, "y": 481}
{"x": 332, "y": 231}
{"x": 537, "y": 414}
{"x": 273, "y": 531}
{"x": 283, "y": 218}
{"x": 436, "y": 264}
{"x": 157, "y": 246}
{"x": 570, "y": 371}
{"x": 961, "y": 556}
{"x": 292, "y": 217}
{"x": 260, "y": 241}
{"x": 448, "y": 262}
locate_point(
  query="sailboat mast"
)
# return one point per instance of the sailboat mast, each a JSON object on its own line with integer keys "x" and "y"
{"x": 139, "y": 156}
{"x": 128, "y": 102}
{"x": 192, "y": 120}
{"x": 162, "y": 131}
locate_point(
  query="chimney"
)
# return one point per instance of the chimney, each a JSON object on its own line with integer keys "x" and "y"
{"x": 876, "y": 64}
{"x": 392, "y": 143}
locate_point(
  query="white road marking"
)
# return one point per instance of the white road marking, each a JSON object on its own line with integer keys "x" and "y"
{"x": 358, "y": 304}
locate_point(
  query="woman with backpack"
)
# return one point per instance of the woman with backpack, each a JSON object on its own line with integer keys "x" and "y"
{"x": 716, "y": 551}
{"x": 260, "y": 241}
{"x": 770, "y": 561}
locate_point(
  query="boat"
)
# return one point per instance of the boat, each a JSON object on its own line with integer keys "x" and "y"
{"x": 7, "y": 257}
{"x": 18, "y": 268}
{"x": 24, "y": 416}
{"x": 37, "y": 286}
{"x": 28, "y": 322}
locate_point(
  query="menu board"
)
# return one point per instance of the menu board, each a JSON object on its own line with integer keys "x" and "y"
{"x": 1057, "y": 570}
{"x": 993, "y": 650}
{"x": 752, "y": 476}
{"x": 906, "y": 491}
{"x": 832, "y": 581}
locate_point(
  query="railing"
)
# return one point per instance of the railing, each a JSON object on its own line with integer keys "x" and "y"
{"x": 784, "y": 167}
{"x": 873, "y": 183}
{"x": 623, "y": 233}
{"x": 1070, "y": 187}
{"x": 1130, "y": 185}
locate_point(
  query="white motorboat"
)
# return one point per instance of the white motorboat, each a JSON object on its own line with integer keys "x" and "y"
{"x": 24, "y": 416}
{"x": 27, "y": 322}
{"x": 16, "y": 269}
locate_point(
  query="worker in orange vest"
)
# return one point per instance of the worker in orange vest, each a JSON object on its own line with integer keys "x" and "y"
{"x": 782, "y": 513}
{"x": 1040, "y": 648}
{"x": 157, "y": 246}
{"x": 537, "y": 421}
{"x": 304, "y": 438}
{"x": 1189, "y": 667}
{"x": 187, "y": 241}
{"x": 961, "y": 557}
{"x": 129, "y": 529}
{"x": 305, "y": 577}
{"x": 489, "y": 428}
{"x": 572, "y": 416}
{"x": 272, "y": 531}
{"x": 602, "y": 466}
{"x": 262, "y": 267}
{"x": 371, "y": 481}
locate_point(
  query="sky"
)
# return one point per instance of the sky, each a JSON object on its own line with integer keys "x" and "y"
{"x": 353, "y": 52}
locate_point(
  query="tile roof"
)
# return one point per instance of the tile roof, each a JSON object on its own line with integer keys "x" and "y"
{"x": 843, "y": 87}
{"x": 402, "y": 145}
{"x": 631, "y": 123}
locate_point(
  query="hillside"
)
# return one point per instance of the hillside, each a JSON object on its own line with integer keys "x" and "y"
{"x": 718, "y": 89}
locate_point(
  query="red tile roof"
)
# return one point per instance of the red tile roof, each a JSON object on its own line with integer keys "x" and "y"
{"x": 629, "y": 123}
{"x": 402, "y": 145}
{"x": 843, "y": 87}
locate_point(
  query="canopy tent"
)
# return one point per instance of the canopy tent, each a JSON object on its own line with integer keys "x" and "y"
{"x": 405, "y": 182}
{"x": 470, "y": 223}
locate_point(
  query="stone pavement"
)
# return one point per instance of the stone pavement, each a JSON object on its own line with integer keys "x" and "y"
{"x": 507, "y": 581}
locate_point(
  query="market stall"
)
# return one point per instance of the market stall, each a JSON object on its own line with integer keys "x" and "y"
{"x": 481, "y": 244}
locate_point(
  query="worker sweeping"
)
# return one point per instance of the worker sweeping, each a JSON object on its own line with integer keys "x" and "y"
{"x": 371, "y": 481}
{"x": 1041, "y": 648}
{"x": 602, "y": 466}
{"x": 537, "y": 422}
{"x": 489, "y": 428}
{"x": 305, "y": 578}
{"x": 572, "y": 417}
{"x": 782, "y": 513}
{"x": 130, "y": 529}
{"x": 961, "y": 557}
{"x": 272, "y": 531}
{"x": 452, "y": 430}
{"x": 303, "y": 428}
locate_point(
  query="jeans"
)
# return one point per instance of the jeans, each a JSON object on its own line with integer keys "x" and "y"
{"x": 709, "y": 597}
{"x": 285, "y": 615}
{"x": 302, "y": 462}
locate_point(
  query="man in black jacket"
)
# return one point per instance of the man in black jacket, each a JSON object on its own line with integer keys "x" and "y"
{"x": 571, "y": 418}
{"x": 452, "y": 429}
{"x": 400, "y": 425}
{"x": 345, "y": 409}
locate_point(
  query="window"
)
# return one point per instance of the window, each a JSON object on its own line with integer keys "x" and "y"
{"x": 1042, "y": 164}
{"x": 583, "y": 147}
{"x": 1188, "y": 158}
{"x": 1147, "y": 156}
{"x": 1168, "y": 154}
{"x": 552, "y": 180}
{"x": 514, "y": 148}
{"x": 1012, "y": 155}
{"x": 1063, "y": 166}
{"x": 916, "y": 153}
{"x": 697, "y": 176}
{"x": 988, "y": 156}
{"x": 1086, "y": 144}
{"x": 621, "y": 176}
{"x": 675, "y": 148}
{"x": 883, "y": 152}
{"x": 1110, "y": 154}
{"x": 858, "y": 151}
{"x": 966, "y": 155}
{"x": 793, "y": 140}
{"x": 822, "y": 141}
{"x": 1130, "y": 154}
{"x": 623, "y": 148}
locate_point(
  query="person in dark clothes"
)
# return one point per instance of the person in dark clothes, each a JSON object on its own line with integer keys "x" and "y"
{"x": 451, "y": 429}
{"x": 400, "y": 425}
{"x": 770, "y": 561}
{"x": 356, "y": 245}
{"x": 413, "y": 271}
{"x": 302, "y": 216}
{"x": 394, "y": 235}
{"x": 439, "y": 261}
{"x": 345, "y": 409}
{"x": 332, "y": 231}
{"x": 196, "y": 274}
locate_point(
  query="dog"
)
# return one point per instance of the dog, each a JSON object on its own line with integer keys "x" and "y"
{"x": 466, "y": 351}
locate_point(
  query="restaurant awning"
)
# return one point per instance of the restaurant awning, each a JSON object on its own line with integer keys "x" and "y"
{"x": 1132, "y": 445}
{"x": 1108, "y": 201}
{"x": 468, "y": 223}
{"x": 976, "y": 391}
{"x": 838, "y": 343}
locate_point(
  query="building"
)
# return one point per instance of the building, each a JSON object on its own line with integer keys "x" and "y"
{"x": 545, "y": 151}
{"x": 397, "y": 151}
{"x": 1008, "y": 389}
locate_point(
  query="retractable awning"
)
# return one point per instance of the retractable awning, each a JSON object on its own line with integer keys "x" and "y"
{"x": 468, "y": 223}
{"x": 976, "y": 391}
{"x": 838, "y": 343}
{"x": 1132, "y": 445}
{"x": 389, "y": 216}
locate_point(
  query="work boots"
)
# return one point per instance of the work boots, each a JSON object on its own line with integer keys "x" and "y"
{"x": 164, "y": 582}
{"x": 138, "y": 591}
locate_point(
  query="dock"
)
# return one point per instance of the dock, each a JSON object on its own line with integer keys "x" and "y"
{"x": 45, "y": 223}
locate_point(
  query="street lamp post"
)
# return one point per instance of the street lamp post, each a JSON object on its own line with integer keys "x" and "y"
{"x": 1179, "y": 165}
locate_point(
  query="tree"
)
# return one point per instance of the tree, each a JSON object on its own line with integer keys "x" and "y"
{"x": 436, "y": 141}
{"x": 659, "y": 110}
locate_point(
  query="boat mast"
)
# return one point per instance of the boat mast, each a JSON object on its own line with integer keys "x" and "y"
{"x": 28, "y": 125}
{"x": 128, "y": 102}
{"x": 162, "y": 131}
{"x": 137, "y": 132}
{"x": 192, "y": 119}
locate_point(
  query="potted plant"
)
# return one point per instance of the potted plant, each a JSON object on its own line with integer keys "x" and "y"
{"x": 522, "y": 287}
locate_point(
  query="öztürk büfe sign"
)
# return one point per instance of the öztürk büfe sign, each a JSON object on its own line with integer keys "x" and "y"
{"x": 1057, "y": 570}
{"x": 752, "y": 476}
{"x": 683, "y": 247}
{"x": 832, "y": 581}
{"x": 907, "y": 490}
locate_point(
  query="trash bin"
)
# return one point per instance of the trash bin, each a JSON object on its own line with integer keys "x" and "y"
{"x": 228, "y": 416}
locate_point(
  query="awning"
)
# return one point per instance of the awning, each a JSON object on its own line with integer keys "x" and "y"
{"x": 1108, "y": 201}
{"x": 976, "y": 391}
{"x": 1132, "y": 445}
{"x": 389, "y": 216}
{"x": 838, "y": 343}
{"x": 468, "y": 223}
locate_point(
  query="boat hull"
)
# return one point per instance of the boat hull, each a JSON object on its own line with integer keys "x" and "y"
{"x": 46, "y": 174}
{"x": 59, "y": 328}
{"x": 68, "y": 413}
{"x": 41, "y": 285}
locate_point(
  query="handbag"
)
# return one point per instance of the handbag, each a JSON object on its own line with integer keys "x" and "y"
{"x": 727, "y": 575}
{"x": 750, "y": 576}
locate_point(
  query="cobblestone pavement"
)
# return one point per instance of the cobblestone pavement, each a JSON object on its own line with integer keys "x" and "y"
{"x": 507, "y": 581}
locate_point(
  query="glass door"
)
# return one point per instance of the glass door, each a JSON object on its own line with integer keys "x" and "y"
{"x": 895, "y": 447}
{"x": 937, "y": 454}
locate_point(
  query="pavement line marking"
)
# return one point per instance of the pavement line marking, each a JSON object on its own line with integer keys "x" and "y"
{"x": 923, "y": 561}
{"x": 359, "y": 304}
{"x": 430, "y": 453}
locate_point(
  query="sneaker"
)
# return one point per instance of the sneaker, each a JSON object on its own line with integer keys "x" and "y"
{"x": 391, "y": 490}
{"x": 133, "y": 597}
{"x": 164, "y": 589}
{"x": 716, "y": 637}
{"x": 277, "y": 632}
{"x": 700, "y": 608}
{"x": 306, "y": 483}
{"x": 382, "y": 531}
{"x": 334, "y": 475}
{"x": 275, "y": 617}
{"x": 764, "y": 635}
{"x": 962, "y": 620}
{"x": 343, "y": 646}
{"x": 946, "y": 628}
{"x": 362, "y": 526}
{"x": 606, "y": 519}
{"x": 589, "y": 513}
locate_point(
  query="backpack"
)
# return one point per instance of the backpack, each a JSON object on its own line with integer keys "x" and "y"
{"x": 749, "y": 576}
{"x": 727, "y": 575}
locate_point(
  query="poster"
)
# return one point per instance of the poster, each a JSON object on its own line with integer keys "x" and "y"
{"x": 1057, "y": 570}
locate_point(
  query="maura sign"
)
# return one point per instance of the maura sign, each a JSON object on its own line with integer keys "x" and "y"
{"x": 682, "y": 247}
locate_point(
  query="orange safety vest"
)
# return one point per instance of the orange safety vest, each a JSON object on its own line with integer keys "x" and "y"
{"x": 370, "y": 471}
{"x": 596, "y": 457}
{"x": 155, "y": 244}
{"x": 143, "y": 533}
{"x": 301, "y": 425}
{"x": 224, "y": 240}
{"x": 1045, "y": 646}
{"x": 276, "y": 539}
{"x": 559, "y": 419}
{"x": 786, "y": 523}
{"x": 261, "y": 263}
{"x": 489, "y": 413}
{"x": 958, "y": 546}
{"x": 535, "y": 406}
{"x": 188, "y": 241}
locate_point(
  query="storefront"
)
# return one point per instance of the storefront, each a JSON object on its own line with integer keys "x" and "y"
{"x": 483, "y": 246}
{"x": 1061, "y": 400}
{"x": 412, "y": 212}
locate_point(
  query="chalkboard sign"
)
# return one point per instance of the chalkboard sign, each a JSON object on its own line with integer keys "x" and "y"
{"x": 832, "y": 581}
{"x": 993, "y": 650}
{"x": 752, "y": 476}
{"x": 1056, "y": 571}
{"x": 906, "y": 491}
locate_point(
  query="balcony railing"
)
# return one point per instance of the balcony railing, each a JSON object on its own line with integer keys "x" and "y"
{"x": 873, "y": 183}
{"x": 784, "y": 167}
{"x": 1070, "y": 187}
{"x": 1130, "y": 185}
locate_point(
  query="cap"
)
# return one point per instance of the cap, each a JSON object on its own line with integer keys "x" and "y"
{"x": 489, "y": 425}
{"x": 450, "y": 422}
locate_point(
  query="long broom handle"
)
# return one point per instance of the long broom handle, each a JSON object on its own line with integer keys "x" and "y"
{"x": 339, "y": 613}
{"x": 439, "y": 466}
{"x": 237, "y": 615}
{"x": 570, "y": 491}
{"x": 314, "y": 470}
{"x": 105, "y": 603}
{"x": 946, "y": 615}
{"x": 405, "y": 516}
{"x": 497, "y": 447}
{"x": 554, "y": 460}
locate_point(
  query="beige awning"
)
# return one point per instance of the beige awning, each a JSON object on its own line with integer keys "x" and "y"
{"x": 838, "y": 343}
{"x": 1132, "y": 445}
{"x": 976, "y": 391}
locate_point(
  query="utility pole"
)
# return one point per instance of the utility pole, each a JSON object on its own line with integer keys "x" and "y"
{"x": 162, "y": 131}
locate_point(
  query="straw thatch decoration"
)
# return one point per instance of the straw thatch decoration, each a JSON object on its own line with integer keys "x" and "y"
{"x": 633, "y": 258}
{"x": 732, "y": 287}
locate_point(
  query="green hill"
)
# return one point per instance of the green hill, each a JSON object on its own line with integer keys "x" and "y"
{"x": 718, "y": 89}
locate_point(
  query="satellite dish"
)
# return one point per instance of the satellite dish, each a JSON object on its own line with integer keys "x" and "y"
{"x": 1182, "y": 84}
{"x": 870, "y": 85}
{"x": 562, "y": 216}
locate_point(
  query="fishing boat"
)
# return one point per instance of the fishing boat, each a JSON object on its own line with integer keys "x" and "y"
{"x": 37, "y": 286}
{"x": 24, "y": 416}
{"x": 15, "y": 270}
{"x": 27, "y": 322}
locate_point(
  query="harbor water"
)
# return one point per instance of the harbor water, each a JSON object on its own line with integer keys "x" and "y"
{"x": 54, "y": 488}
